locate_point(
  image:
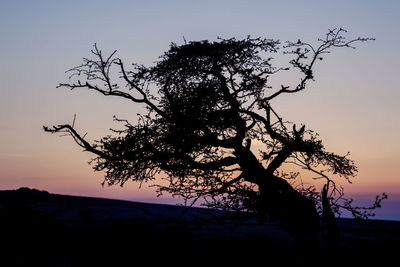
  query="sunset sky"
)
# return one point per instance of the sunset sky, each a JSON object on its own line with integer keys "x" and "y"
{"x": 353, "y": 103}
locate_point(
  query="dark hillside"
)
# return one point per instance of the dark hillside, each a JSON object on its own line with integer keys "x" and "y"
{"x": 37, "y": 226}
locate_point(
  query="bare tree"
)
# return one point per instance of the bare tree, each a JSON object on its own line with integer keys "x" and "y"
{"x": 206, "y": 102}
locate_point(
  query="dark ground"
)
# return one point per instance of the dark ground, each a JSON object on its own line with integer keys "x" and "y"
{"x": 42, "y": 229}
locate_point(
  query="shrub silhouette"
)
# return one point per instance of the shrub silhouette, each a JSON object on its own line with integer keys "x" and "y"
{"x": 207, "y": 104}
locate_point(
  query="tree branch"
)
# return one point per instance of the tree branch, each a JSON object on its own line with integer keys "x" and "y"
{"x": 333, "y": 39}
{"x": 66, "y": 128}
{"x": 99, "y": 70}
{"x": 135, "y": 86}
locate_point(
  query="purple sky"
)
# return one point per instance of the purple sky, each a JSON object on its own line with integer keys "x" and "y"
{"x": 353, "y": 104}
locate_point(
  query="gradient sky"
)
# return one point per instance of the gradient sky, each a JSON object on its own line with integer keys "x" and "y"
{"x": 353, "y": 104}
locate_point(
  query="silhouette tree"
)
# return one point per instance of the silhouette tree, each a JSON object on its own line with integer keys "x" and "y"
{"x": 207, "y": 104}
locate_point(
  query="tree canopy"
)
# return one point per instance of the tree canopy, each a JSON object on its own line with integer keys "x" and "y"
{"x": 207, "y": 103}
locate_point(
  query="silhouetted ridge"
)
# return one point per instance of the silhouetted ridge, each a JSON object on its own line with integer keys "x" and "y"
{"x": 40, "y": 227}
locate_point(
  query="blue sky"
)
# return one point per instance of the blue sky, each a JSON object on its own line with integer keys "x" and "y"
{"x": 352, "y": 103}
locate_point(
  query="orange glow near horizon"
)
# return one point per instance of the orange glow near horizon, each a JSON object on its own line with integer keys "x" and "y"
{"x": 71, "y": 174}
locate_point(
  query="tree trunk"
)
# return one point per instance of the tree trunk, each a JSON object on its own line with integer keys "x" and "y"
{"x": 297, "y": 214}
{"x": 330, "y": 230}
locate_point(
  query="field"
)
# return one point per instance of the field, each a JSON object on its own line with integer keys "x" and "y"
{"x": 57, "y": 230}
